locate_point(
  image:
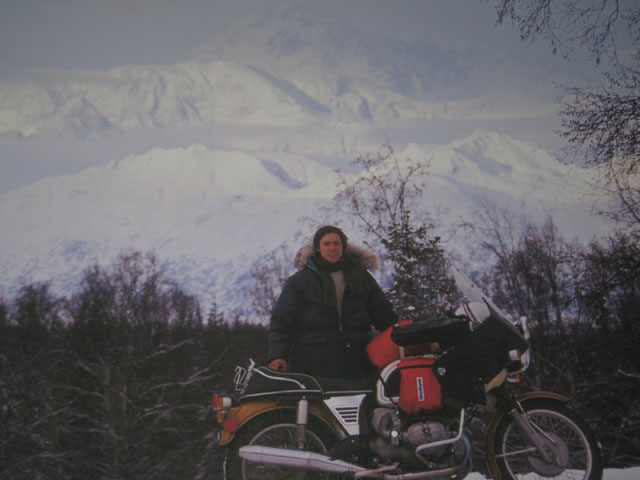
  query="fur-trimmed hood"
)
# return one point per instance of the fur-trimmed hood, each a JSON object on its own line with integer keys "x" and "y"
{"x": 367, "y": 258}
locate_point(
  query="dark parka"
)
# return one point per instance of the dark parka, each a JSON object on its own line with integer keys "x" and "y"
{"x": 313, "y": 337}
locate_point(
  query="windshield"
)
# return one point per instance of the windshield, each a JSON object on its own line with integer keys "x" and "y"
{"x": 470, "y": 292}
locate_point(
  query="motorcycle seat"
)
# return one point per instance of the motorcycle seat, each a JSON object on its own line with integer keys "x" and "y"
{"x": 267, "y": 382}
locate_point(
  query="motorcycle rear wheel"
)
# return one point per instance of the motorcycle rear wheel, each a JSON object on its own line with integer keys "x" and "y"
{"x": 276, "y": 429}
{"x": 577, "y": 453}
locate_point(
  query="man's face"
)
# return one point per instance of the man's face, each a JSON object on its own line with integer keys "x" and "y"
{"x": 331, "y": 247}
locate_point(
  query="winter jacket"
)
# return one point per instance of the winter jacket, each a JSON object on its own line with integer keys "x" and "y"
{"x": 312, "y": 336}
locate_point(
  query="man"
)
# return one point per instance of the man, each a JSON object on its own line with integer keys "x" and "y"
{"x": 323, "y": 319}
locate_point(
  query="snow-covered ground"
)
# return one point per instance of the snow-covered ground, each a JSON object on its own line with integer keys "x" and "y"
{"x": 622, "y": 474}
{"x": 609, "y": 474}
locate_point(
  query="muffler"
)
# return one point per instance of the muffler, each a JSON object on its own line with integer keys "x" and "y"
{"x": 306, "y": 460}
{"x": 296, "y": 459}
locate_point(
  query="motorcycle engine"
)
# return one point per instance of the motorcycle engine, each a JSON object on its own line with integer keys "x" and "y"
{"x": 397, "y": 442}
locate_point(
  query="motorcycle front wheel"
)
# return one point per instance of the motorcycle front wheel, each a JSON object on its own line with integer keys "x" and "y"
{"x": 276, "y": 429}
{"x": 575, "y": 451}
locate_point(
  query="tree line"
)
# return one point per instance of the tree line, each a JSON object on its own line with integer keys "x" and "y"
{"x": 115, "y": 381}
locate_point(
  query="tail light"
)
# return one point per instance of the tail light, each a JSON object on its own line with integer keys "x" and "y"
{"x": 220, "y": 402}
{"x": 220, "y": 405}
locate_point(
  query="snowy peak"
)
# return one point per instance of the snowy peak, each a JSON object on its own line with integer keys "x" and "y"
{"x": 197, "y": 169}
{"x": 490, "y": 155}
{"x": 496, "y": 154}
{"x": 182, "y": 173}
{"x": 306, "y": 43}
{"x": 494, "y": 164}
{"x": 301, "y": 41}
{"x": 142, "y": 200}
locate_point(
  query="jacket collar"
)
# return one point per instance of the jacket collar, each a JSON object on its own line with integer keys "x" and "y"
{"x": 367, "y": 258}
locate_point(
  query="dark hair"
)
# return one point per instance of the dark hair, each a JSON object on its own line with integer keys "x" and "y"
{"x": 322, "y": 231}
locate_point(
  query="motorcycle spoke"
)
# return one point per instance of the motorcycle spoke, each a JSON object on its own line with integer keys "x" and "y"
{"x": 574, "y": 443}
{"x": 517, "y": 452}
{"x": 570, "y": 451}
{"x": 282, "y": 436}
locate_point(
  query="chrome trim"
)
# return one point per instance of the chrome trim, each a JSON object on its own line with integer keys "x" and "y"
{"x": 449, "y": 441}
{"x": 306, "y": 460}
{"x": 284, "y": 379}
{"x": 381, "y": 398}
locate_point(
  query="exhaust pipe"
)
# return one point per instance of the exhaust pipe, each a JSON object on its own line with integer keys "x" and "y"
{"x": 296, "y": 459}
{"x": 306, "y": 460}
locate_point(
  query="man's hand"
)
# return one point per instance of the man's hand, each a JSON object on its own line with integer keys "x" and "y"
{"x": 279, "y": 364}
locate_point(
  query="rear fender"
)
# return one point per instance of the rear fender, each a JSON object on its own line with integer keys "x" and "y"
{"x": 493, "y": 425}
{"x": 236, "y": 417}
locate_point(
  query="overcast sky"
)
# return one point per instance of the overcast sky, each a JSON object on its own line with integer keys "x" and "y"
{"x": 107, "y": 33}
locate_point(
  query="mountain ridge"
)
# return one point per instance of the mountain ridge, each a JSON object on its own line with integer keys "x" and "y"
{"x": 299, "y": 64}
{"x": 208, "y": 211}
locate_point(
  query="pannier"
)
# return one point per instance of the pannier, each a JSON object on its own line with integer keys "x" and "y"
{"x": 420, "y": 391}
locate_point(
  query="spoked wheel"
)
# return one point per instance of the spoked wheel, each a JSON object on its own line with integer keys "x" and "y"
{"x": 276, "y": 429}
{"x": 574, "y": 450}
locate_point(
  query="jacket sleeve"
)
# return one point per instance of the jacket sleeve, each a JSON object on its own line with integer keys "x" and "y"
{"x": 379, "y": 307}
{"x": 282, "y": 326}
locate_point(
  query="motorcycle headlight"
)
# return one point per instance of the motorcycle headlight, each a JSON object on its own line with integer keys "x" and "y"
{"x": 518, "y": 362}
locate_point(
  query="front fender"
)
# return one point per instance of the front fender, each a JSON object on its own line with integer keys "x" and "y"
{"x": 489, "y": 450}
{"x": 237, "y": 417}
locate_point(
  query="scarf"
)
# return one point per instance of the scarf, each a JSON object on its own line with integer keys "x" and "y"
{"x": 355, "y": 277}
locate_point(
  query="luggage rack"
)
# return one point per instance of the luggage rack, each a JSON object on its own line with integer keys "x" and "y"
{"x": 242, "y": 376}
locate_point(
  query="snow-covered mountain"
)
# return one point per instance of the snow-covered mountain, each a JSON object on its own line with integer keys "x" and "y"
{"x": 212, "y": 161}
{"x": 89, "y": 104}
{"x": 211, "y": 214}
{"x": 190, "y": 204}
{"x": 316, "y": 50}
{"x": 293, "y": 67}
{"x": 85, "y": 104}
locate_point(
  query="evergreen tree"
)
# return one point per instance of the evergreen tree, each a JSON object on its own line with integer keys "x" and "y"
{"x": 422, "y": 288}
{"x": 385, "y": 202}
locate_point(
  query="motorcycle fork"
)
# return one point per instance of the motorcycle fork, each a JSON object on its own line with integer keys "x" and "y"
{"x": 302, "y": 417}
{"x": 542, "y": 442}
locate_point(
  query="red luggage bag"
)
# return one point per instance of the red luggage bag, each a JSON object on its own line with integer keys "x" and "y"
{"x": 420, "y": 391}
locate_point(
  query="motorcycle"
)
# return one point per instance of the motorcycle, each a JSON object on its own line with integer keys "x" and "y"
{"x": 411, "y": 422}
